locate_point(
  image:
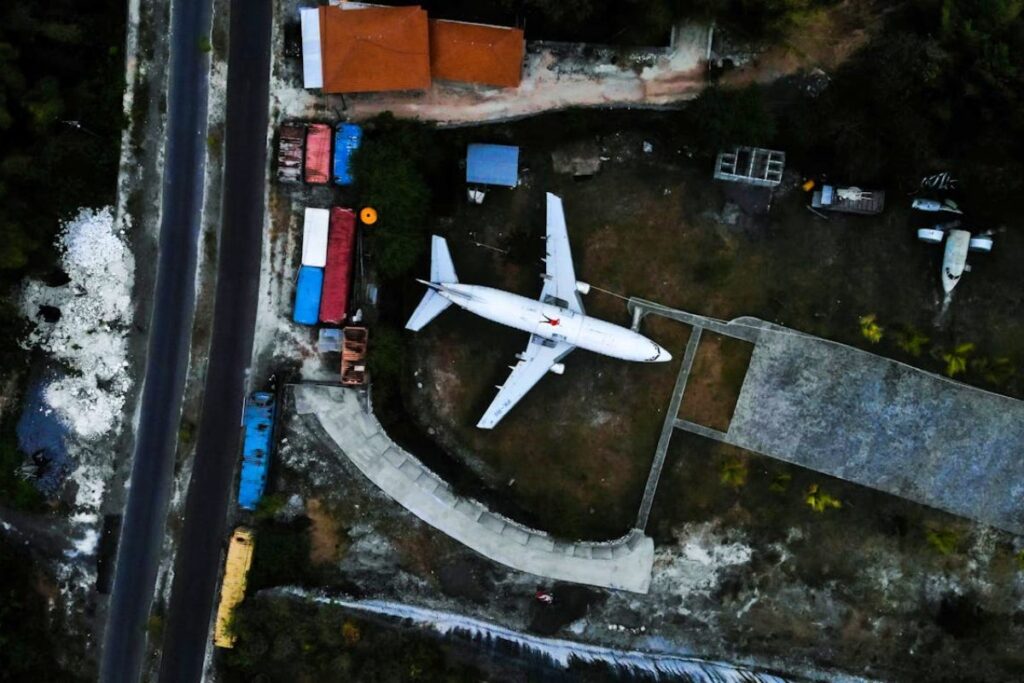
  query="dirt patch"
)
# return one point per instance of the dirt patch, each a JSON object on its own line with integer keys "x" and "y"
{"x": 715, "y": 380}
{"x": 325, "y": 536}
{"x": 822, "y": 38}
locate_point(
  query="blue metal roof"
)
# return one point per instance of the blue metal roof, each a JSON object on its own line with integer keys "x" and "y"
{"x": 259, "y": 430}
{"x": 347, "y": 138}
{"x": 492, "y": 165}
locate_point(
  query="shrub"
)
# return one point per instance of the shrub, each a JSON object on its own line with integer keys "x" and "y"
{"x": 945, "y": 540}
{"x": 870, "y": 329}
{"x": 734, "y": 474}
{"x": 819, "y": 501}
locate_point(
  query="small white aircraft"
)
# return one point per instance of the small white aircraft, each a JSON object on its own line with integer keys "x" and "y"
{"x": 557, "y": 323}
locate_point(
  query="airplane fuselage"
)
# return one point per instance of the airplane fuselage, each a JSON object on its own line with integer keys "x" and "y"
{"x": 554, "y": 322}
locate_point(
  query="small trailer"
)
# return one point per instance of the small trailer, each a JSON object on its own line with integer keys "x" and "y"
{"x": 848, "y": 200}
{"x": 291, "y": 138}
{"x": 318, "y": 153}
{"x": 353, "y": 356}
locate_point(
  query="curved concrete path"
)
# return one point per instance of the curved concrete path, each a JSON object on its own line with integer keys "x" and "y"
{"x": 623, "y": 564}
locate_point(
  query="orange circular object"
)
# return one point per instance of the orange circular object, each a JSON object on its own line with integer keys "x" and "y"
{"x": 368, "y": 216}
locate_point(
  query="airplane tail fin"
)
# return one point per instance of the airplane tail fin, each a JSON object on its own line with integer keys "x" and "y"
{"x": 442, "y": 271}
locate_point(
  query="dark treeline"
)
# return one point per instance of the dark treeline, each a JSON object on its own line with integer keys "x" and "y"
{"x": 61, "y": 80}
{"x": 621, "y": 22}
{"x": 937, "y": 89}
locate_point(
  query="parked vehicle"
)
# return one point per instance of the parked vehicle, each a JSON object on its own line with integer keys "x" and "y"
{"x": 291, "y": 137}
{"x": 232, "y": 590}
{"x": 347, "y": 138}
{"x": 318, "y": 153}
{"x": 258, "y": 421}
{"x": 341, "y": 244}
{"x": 307, "y": 295}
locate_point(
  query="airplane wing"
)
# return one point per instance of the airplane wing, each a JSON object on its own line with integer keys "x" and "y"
{"x": 560, "y": 278}
{"x": 538, "y": 358}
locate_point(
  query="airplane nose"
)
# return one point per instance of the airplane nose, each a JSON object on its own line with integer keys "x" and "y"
{"x": 663, "y": 355}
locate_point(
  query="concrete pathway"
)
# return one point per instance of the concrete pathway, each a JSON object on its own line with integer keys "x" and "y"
{"x": 623, "y": 564}
{"x": 666, "y": 430}
{"x": 854, "y": 415}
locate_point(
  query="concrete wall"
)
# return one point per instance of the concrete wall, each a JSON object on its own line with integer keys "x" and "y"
{"x": 624, "y": 564}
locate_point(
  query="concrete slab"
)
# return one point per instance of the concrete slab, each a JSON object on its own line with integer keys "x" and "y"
{"x": 884, "y": 424}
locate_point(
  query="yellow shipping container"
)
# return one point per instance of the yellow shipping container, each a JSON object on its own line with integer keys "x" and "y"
{"x": 236, "y": 570}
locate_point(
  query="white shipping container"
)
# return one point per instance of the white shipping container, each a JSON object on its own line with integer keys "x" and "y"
{"x": 312, "y": 64}
{"x": 314, "y": 237}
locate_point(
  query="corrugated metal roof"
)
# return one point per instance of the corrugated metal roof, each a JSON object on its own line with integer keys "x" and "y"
{"x": 347, "y": 139}
{"x": 312, "y": 67}
{"x": 314, "y": 237}
{"x": 476, "y": 53}
{"x": 338, "y": 273}
{"x": 307, "y": 295}
{"x": 371, "y": 50}
{"x": 492, "y": 165}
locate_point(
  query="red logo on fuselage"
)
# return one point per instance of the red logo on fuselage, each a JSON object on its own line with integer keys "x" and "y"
{"x": 550, "y": 321}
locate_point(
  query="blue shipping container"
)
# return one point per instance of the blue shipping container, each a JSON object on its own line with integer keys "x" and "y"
{"x": 307, "y": 295}
{"x": 258, "y": 420}
{"x": 346, "y": 141}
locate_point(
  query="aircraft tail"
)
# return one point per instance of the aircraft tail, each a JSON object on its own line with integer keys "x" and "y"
{"x": 442, "y": 272}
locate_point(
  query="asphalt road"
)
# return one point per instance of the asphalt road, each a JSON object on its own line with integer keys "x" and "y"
{"x": 167, "y": 356}
{"x": 238, "y": 274}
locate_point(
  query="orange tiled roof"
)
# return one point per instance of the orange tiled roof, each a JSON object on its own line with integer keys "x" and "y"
{"x": 374, "y": 49}
{"x": 475, "y": 53}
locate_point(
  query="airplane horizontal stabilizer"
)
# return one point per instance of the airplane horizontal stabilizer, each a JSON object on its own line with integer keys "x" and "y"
{"x": 432, "y": 305}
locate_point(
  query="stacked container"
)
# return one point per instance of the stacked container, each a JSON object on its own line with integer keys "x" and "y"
{"x": 311, "y": 275}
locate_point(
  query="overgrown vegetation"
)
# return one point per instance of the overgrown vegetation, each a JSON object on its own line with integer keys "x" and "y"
{"x": 937, "y": 89}
{"x": 281, "y": 639}
{"x": 29, "y": 649}
{"x": 392, "y": 167}
{"x": 61, "y": 79}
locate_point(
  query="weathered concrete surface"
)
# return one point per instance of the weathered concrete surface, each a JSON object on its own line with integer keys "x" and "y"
{"x": 883, "y": 424}
{"x": 622, "y": 564}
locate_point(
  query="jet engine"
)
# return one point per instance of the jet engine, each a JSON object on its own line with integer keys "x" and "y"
{"x": 557, "y": 368}
{"x": 582, "y": 287}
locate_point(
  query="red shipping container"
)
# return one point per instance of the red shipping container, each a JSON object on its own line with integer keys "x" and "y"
{"x": 341, "y": 246}
{"x": 318, "y": 153}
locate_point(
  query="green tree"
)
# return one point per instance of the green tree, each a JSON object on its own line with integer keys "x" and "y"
{"x": 390, "y": 169}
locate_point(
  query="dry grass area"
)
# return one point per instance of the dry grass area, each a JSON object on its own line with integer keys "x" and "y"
{"x": 861, "y": 586}
{"x": 715, "y": 380}
{"x": 574, "y": 454}
{"x": 325, "y": 536}
{"x": 822, "y": 38}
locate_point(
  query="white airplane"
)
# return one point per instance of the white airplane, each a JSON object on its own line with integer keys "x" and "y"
{"x": 556, "y": 323}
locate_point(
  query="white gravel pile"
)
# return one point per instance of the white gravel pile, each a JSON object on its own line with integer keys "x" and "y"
{"x": 90, "y": 339}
